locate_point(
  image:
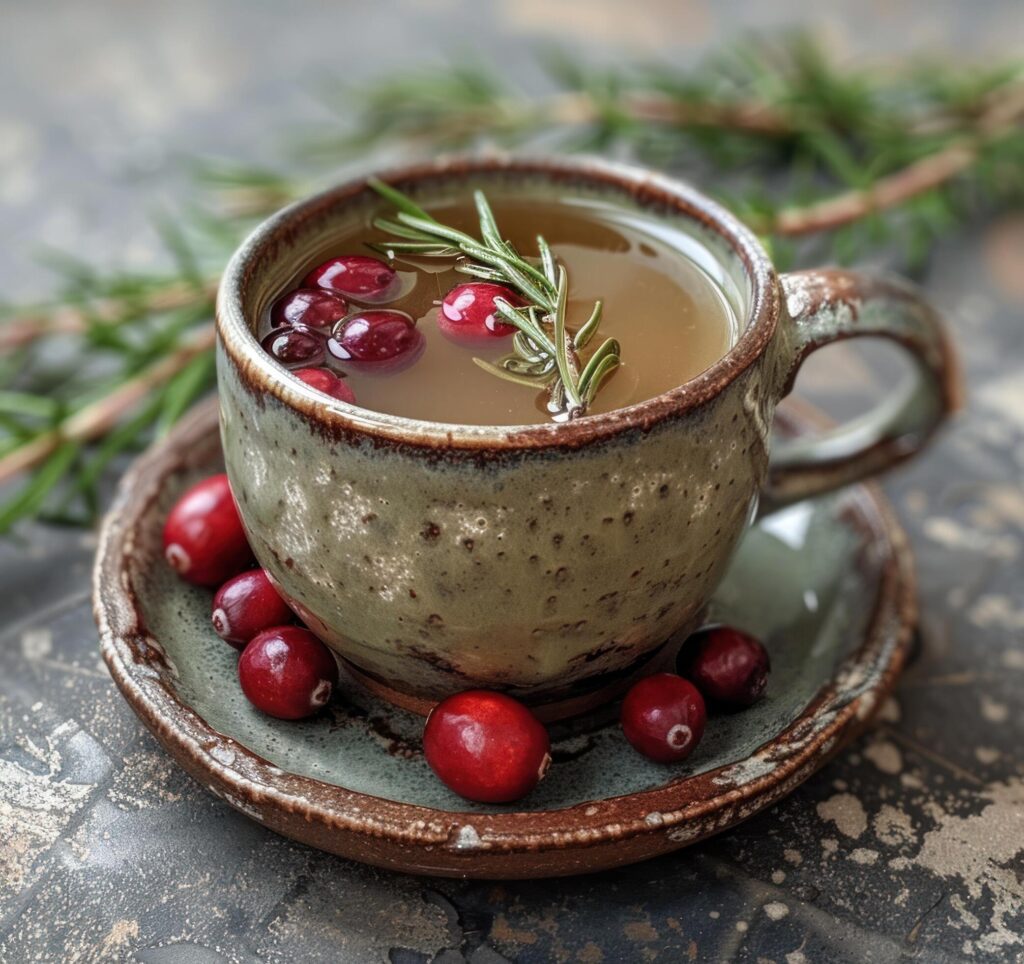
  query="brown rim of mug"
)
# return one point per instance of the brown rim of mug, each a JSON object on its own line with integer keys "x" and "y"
{"x": 262, "y": 375}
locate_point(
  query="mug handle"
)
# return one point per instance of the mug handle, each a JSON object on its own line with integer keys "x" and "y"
{"x": 830, "y": 305}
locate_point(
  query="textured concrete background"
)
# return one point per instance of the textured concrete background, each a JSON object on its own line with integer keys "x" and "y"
{"x": 911, "y": 845}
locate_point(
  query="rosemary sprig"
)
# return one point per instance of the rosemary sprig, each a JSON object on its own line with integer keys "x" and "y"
{"x": 545, "y": 354}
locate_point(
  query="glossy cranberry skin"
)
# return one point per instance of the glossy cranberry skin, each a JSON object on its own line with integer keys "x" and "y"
{"x": 287, "y": 672}
{"x": 357, "y": 275}
{"x": 204, "y": 541}
{"x": 295, "y": 347}
{"x": 376, "y": 339}
{"x": 246, "y": 605}
{"x": 727, "y": 665}
{"x": 486, "y": 746}
{"x": 327, "y": 382}
{"x": 468, "y": 312}
{"x": 314, "y": 308}
{"x": 663, "y": 717}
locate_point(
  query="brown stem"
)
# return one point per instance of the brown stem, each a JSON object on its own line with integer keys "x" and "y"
{"x": 887, "y": 192}
{"x": 72, "y": 320}
{"x": 573, "y": 359}
{"x": 751, "y": 116}
{"x": 901, "y": 186}
{"x": 100, "y": 416}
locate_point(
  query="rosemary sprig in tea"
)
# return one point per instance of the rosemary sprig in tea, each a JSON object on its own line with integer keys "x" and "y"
{"x": 545, "y": 354}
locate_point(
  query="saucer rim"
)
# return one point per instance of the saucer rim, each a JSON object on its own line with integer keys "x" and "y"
{"x": 583, "y": 837}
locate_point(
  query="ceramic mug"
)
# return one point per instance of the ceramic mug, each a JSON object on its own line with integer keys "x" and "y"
{"x": 548, "y": 561}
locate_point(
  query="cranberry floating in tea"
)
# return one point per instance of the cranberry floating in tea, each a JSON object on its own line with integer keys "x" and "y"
{"x": 327, "y": 382}
{"x": 376, "y": 339}
{"x": 469, "y": 313}
{"x": 295, "y": 347}
{"x": 313, "y": 308}
{"x": 361, "y": 277}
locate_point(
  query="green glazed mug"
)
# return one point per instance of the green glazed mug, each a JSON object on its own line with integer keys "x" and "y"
{"x": 554, "y": 561}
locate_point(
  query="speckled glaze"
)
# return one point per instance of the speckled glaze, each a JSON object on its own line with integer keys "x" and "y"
{"x": 828, "y": 584}
{"x": 547, "y": 561}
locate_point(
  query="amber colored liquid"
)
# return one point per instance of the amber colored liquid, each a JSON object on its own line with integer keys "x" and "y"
{"x": 671, "y": 319}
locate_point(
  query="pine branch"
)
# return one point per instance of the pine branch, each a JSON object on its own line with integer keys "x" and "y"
{"x": 917, "y": 178}
{"x": 96, "y": 419}
{"x": 32, "y": 324}
{"x": 822, "y": 160}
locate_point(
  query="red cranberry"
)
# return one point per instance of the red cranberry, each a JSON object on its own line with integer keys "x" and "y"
{"x": 358, "y": 275}
{"x": 204, "y": 541}
{"x": 727, "y": 665}
{"x": 287, "y": 672}
{"x": 246, "y": 605}
{"x": 310, "y": 308}
{"x": 486, "y": 746}
{"x": 293, "y": 347}
{"x": 468, "y": 312}
{"x": 377, "y": 339}
{"x": 663, "y": 717}
{"x": 328, "y": 383}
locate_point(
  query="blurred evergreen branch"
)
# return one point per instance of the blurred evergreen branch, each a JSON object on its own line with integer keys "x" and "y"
{"x": 823, "y": 161}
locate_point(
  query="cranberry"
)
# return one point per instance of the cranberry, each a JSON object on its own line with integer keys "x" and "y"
{"x": 468, "y": 312}
{"x": 663, "y": 717}
{"x": 295, "y": 346}
{"x": 327, "y": 382}
{"x": 310, "y": 308}
{"x": 246, "y": 605}
{"x": 486, "y": 746}
{"x": 287, "y": 672}
{"x": 378, "y": 339}
{"x": 204, "y": 541}
{"x": 358, "y": 275}
{"x": 727, "y": 665}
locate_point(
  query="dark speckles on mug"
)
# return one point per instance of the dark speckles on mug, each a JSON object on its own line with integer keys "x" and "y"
{"x": 593, "y": 478}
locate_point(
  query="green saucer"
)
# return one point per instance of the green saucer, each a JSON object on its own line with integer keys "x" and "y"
{"x": 826, "y": 584}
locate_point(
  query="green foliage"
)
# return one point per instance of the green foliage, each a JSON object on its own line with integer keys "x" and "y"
{"x": 776, "y": 127}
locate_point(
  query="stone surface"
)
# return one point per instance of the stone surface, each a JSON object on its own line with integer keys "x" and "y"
{"x": 907, "y": 846}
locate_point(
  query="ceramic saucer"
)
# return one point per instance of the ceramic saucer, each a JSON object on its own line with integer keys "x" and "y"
{"x": 828, "y": 584}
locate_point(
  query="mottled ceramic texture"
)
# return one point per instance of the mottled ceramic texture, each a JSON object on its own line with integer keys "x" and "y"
{"x": 522, "y": 573}
{"x": 545, "y": 561}
{"x": 826, "y": 584}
